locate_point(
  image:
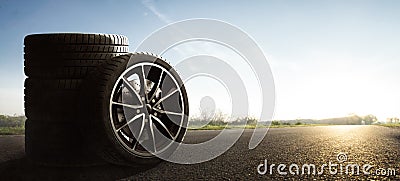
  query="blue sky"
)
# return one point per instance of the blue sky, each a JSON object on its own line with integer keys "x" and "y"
{"x": 329, "y": 58}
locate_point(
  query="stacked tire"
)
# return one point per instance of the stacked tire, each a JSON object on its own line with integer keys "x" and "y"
{"x": 56, "y": 66}
{"x": 86, "y": 96}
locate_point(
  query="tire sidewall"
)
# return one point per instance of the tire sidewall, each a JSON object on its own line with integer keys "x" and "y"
{"x": 110, "y": 145}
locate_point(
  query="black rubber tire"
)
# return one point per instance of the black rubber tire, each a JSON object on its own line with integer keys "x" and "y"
{"x": 63, "y": 58}
{"x": 75, "y": 38}
{"x": 95, "y": 110}
{"x": 52, "y": 100}
{"x": 69, "y": 56}
{"x": 56, "y": 64}
{"x": 50, "y": 48}
{"x": 57, "y": 144}
{"x": 67, "y": 65}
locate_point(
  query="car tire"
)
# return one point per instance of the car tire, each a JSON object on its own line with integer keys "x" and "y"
{"x": 69, "y": 55}
{"x": 57, "y": 144}
{"x": 101, "y": 110}
{"x": 55, "y": 66}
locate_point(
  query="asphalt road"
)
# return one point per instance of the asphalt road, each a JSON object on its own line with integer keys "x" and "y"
{"x": 373, "y": 145}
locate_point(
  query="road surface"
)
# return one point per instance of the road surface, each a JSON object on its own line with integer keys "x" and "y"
{"x": 376, "y": 146}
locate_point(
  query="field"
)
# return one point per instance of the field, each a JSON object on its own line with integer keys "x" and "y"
{"x": 12, "y": 130}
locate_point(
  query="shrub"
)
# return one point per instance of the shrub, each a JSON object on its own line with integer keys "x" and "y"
{"x": 12, "y": 121}
{"x": 275, "y": 123}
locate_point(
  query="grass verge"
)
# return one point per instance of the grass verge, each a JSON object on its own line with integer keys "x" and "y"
{"x": 390, "y": 125}
{"x": 12, "y": 130}
{"x": 209, "y": 127}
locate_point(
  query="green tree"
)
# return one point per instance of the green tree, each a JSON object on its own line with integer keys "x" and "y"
{"x": 299, "y": 123}
{"x": 12, "y": 121}
{"x": 369, "y": 119}
{"x": 275, "y": 123}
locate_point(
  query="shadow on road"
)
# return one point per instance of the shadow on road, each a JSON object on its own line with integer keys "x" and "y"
{"x": 24, "y": 169}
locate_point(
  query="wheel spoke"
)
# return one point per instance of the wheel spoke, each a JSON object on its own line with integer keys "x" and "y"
{"x": 152, "y": 134}
{"x": 132, "y": 89}
{"x": 140, "y": 134}
{"x": 127, "y": 105}
{"x": 143, "y": 86}
{"x": 165, "y": 97}
{"x": 157, "y": 86}
{"x": 168, "y": 112}
{"x": 163, "y": 125}
{"x": 130, "y": 121}
{"x": 134, "y": 145}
